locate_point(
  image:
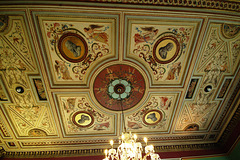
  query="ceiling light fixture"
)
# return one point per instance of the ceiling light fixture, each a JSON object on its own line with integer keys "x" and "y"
{"x": 129, "y": 148}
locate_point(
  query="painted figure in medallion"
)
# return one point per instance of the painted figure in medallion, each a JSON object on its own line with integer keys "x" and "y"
{"x": 163, "y": 51}
{"x": 76, "y": 50}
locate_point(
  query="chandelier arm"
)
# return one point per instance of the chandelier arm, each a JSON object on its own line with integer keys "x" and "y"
{"x": 144, "y": 158}
{"x": 115, "y": 157}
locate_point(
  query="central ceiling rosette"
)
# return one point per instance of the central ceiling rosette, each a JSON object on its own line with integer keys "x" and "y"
{"x": 119, "y": 84}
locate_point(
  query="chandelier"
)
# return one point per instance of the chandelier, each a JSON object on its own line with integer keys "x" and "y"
{"x": 129, "y": 148}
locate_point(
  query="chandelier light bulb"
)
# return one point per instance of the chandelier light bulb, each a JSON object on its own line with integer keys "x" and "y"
{"x": 145, "y": 140}
{"x": 135, "y": 137}
{"x": 106, "y": 152}
{"x": 111, "y": 143}
{"x": 123, "y": 136}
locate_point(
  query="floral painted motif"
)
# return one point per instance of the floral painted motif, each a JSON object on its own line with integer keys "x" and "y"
{"x": 215, "y": 68}
{"x": 199, "y": 112}
{"x": 12, "y": 66}
{"x": 17, "y": 37}
{"x": 235, "y": 50}
{"x": 31, "y": 117}
{"x": 212, "y": 44}
{"x": 119, "y": 84}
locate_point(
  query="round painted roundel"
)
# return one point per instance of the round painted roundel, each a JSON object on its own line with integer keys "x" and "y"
{"x": 73, "y": 47}
{"x": 118, "y": 84}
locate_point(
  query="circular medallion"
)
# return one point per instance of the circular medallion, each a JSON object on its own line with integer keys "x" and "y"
{"x": 82, "y": 119}
{"x": 73, "y": 47}
{"x": 118, "y": 84}
{"x": 166, "y": 49}
{"x": 152, "y": 117}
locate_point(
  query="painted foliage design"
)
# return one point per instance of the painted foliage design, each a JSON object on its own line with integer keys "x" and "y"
{"x": 79, "y": 116}
{"x": 235, "y": 50}
{"x": 28, "y": 117}
{"x": 75, "y": 46}
{"x": 15, "y": 63}
{"x": 162, "y": 48}
{"x": 214, "y": 64}
{"x": 155, "y": 115}
{"x": 212, "y": 44}
{"x": 216, "y": 67}
{"x": 17, "y": 38}
{"x": 199, "y": 112}
{"x": 12, "y": 66}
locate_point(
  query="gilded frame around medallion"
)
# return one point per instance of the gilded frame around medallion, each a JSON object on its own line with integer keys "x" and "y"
{"x": 152, "y": 117}
{"x": 72, "y": 47}
{"x": 85, "y": 118}
{"x": 166, "y": 49}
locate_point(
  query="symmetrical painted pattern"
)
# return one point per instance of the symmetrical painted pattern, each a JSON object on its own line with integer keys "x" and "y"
{"x": 164, "y": 48}
{"x": 74, "y": 47}
{"x": 72, "y": 78}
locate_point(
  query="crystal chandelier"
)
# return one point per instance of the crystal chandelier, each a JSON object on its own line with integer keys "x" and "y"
{"x": 129, "y": 148}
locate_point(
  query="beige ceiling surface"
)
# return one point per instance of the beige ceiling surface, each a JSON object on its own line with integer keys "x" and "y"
{"x": 65, "y": 71}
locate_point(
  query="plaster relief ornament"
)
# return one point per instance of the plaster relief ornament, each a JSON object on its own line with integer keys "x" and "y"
{"x": 119, "y": 84}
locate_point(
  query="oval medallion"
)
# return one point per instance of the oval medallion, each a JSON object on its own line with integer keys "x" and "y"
{"x": 73, "y": 47}
{"x": 82, "y": 119}
{"x": 152, "y": 117}
{"x": 166, "y": 49}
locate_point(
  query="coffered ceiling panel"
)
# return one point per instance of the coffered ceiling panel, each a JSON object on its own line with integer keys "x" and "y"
{"x": 74, "y": 76}
{"x": 75, "y": 45}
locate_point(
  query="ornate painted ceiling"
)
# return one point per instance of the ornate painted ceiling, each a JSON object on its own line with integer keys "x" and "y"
{"x": 66, "y": 70}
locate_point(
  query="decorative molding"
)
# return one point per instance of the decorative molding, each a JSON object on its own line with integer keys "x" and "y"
{"x": 229, "y": 104}
{"x": 80, "y": 142}
{"x": 34, "y": 154}
{"x": 209, "y": 4}
{"x": 88, "y": 152}
{"x": 230, "y": 127}
{"x": 186, "y": 147}
{"x": 2, "y": 151}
